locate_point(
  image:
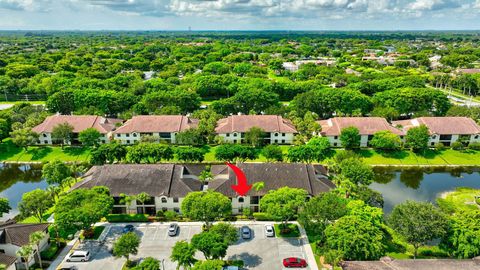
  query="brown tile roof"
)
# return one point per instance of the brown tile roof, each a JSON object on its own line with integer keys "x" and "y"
{"x": 79, "y": 123}
{"x": 418, "y": 264}
{"x": 242, "y": 123}
{"x": 132, "y": 179}
{"x": 365, "y": 125}
{"x": 18, "y": 234}
{"x": 468, "y": 70}
{"x": 442, "y": 125}
{"x": 274, "y": 175}
{"x": 157, "y": 123}
{"x": 7, "y": 260}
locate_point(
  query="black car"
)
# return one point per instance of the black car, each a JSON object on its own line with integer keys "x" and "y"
{"x": 73, "y": 267}
{"x": 128, "y": 228}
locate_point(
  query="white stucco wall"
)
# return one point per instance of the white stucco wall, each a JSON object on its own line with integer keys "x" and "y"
{"x": 132, "y": 138}
{"x": 46, "y": 139}
{"x": 275, "y": 137}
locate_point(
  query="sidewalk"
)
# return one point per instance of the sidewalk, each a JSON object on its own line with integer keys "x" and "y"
{"x": 308, "y": 249}
{"x": 56, "y": 263}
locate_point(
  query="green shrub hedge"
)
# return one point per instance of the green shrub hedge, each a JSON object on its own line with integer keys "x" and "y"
{"x": 127, "y": 218}
{"x": 49, "y": 253}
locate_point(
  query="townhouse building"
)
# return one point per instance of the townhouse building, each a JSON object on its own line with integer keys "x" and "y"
{"x": 367, "y": 127}
{"x": 163, "y": 127}
{"x": 79, "y": 123}
{"x": 444, "y": 130}
{"x": 278, "y": 130}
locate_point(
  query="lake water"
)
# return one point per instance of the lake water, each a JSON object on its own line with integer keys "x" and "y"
{"x": 421, "y": 184}
{"x": 16, "y": 179}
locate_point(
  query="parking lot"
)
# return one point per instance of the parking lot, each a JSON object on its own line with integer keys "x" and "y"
{"x": 259, "y": 252}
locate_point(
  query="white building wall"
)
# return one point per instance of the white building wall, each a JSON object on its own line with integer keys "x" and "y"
{"x": 275, "y": 137}
{"x": 132, "y": 138}
{"x": 46, "y": 139}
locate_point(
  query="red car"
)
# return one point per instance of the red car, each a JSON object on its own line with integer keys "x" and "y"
{"x": 294, "y": 262}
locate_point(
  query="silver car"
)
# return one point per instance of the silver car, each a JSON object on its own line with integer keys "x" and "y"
{"x": 269, "y": 231}
{"x": 246, "y": 232}
{"x": 78, "y": 256}
{"x": 173, "y": 229}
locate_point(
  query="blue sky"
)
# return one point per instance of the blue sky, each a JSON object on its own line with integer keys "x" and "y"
{"x": 239, "y": 14}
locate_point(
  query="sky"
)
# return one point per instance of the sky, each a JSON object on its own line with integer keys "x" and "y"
{"x": 240, "y": 14}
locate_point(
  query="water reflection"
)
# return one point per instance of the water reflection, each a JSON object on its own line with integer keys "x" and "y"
{"x": 16, "y": 179}
{"x": 421, "y": 184}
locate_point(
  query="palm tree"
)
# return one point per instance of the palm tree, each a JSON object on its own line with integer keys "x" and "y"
{"x": 142, "y": 198}
{"x": 25, "y": 252}
{"x": 35, "y": 239}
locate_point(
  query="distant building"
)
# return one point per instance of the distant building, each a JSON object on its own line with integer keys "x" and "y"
{"x": 367, "y": 126}
{"x": 164, "y": 127}
{"x": 294, "y": 66}
{"x": 445, "y": 130}
{"x": 467, "y": 71}
{"x": 79, "y": 123}
{"x": 279, "y": 130}
{"x": 13, "y": 236}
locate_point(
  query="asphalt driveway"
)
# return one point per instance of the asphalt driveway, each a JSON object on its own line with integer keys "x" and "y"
{"x": 259, "y": 252}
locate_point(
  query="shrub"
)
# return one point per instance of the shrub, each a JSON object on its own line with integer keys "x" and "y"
{"x": 457, "y": 146}
{"x": 474, "y": 146}
{"x": 49, "y": 253}
{"x": 127, "y": 218}
{"x": 171, "y": 215}
{"x": 439, "y": 146}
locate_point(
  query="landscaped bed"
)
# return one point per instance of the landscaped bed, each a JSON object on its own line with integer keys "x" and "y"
{"x": 127, "y": 218}
{"x": 291, "y": 231}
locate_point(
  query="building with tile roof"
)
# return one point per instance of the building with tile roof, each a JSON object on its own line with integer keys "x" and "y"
{"x": 13, "y": 236}
{"x": 445, "y": 130}
{"x": 279, "y": 130}
{"x": 79, "y": 123}
{"x": 387, "y": 263}
{"x": 168, "y": 184}
{"x": 367, "y": 127}
{"x": 164, "y": 127}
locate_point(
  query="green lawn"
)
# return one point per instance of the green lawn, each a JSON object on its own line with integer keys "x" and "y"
{"x": 431, "y": 157}
{"x": 17, "y": 102}
{"x": 293, "y": 230}
{"x": 463, "y": 198}
{"x": 10, "y": 152}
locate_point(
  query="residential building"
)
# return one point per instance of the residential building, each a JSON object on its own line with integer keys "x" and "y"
{"x": 445, "y": 130}
{"x": 295, "y": 66}
{"x": 13, "y": 236}
{"x": 367, "y": 127}
{"x": 79, "y": 123}
{"x": 311, "y": 178}
{"x": 279, "y": 130}
{"x": 167, "y": 184}
{"x": 164, "y": 127}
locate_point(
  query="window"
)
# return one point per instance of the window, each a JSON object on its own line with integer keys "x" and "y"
{"x": 241, "y": 199}
{"x": 134, "y": 134}
{"x": 176, "y": 209}
{"x": 445, "y": 137}
{"x": 45, "y": 142}
{"x": 476, "y": 137}
{"x": 164, "y": 209}
{"x": 118, "y": 135}
{"x": 432, "y": 143}
{"x": 370, "y": 137}
{"x": 127, "y": 135}
{"x": 128, "y": 141}
{"x": 235, "y": 134}
{"x": 228, "y": 135}
{"x": 165, "y": 135}
{"x": 275, "y": 141}
{"x": 103, "y": 141}
{"x": 335, "y": 144}
{"x": 283, "y": 141}
{"x": 283, "y": 134}
{"x": 2, "y": 251}
{"x": 164, "y": 200}
{"x": 335, "y": 137}
{"x": 254, "y": 200}
{"x": 276, "y": 135}
{"x": 44, "y": 135}
{"x": 434, "y": 136}
{"x": 175, "y": 200}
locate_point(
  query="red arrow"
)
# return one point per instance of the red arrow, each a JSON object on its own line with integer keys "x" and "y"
{"x": 243, "y": 187}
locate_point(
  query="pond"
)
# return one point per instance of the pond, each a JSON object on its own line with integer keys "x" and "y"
{"x": 16, "y": 179}
{"x": 421, "y": 184}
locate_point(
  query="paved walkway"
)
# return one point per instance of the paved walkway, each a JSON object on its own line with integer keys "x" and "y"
{"x": 56, "y": 263}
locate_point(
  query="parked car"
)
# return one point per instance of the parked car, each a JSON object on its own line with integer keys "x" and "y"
{"x": 231, "y": 268}
{"x": 269, "y": 230}
{"x": 78, "y": 256}
{"x": 173, "y": 229}
{"x": 246, "y": 232}
{"x": 73, "y": 267}
{"x": 128, "y": 228}
{"x": 294, "y": 262}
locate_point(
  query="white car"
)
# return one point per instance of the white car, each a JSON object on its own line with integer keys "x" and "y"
{"x": 269, "y": 230}
{"x": 78, "y": 256}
